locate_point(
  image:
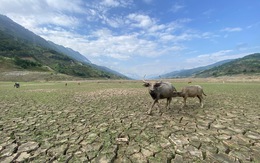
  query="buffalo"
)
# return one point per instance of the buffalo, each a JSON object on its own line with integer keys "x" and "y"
{"x": 192, "y": 91}
{"x": 16, "y": 85}
{"x": 160, "y": 90}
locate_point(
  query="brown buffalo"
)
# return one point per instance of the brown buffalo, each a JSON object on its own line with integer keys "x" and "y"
{"x": 192, "y": 91}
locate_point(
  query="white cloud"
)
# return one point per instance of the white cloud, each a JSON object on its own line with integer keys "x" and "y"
{"x": 242, "y": 46}
{"x": 39, "y": 7}
{"x": 254, "y": 25}
{"x": 24, "y": 7}
{"x": 208, "y": 35}
{"x": 236, "y": 29}
{"x": 177, "y": 7}
{"x": 208, "y": 12}
{"x": 140, "y": 20}
{"x": 32, "y": 14}
{"x": 74, "y": 6}
{"x": 115, "y": 22}
{"x": 215, "y": 54}
{"x": 104, "y": 43}
{"x": 112, "y": 3}
{"x": 214, "y": 57}
{"x": 102, "y": 7}
{"x": 99, "y": 12}
{"x": 116, "y": 3}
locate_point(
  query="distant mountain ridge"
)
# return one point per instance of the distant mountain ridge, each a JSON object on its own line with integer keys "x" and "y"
{"x": 247, "y": 65}
{"x": 30, "y": 51}
{"x": 192, "y": 72}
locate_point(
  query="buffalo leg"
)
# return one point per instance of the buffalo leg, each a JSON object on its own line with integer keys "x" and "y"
{"x": 184, "y": 102}
{"x": 201, "y": 101}
{"x": 168, "y": 103}
{"x": 150, "y": 110}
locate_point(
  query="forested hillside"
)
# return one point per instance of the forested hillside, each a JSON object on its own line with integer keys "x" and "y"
{"x": 247, "y": 65}
{"x": 21, "y": 50}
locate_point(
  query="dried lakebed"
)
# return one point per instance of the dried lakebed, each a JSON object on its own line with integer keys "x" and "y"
{"x": 107, "y": 122}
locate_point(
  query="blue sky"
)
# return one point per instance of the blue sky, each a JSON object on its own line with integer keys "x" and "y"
{"x": 144, "y": 37}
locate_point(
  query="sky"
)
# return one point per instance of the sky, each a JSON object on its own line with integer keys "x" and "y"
{"x": 144, "y": 37}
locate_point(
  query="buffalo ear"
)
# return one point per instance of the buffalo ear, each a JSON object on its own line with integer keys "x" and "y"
{"x": 146, "y": 84}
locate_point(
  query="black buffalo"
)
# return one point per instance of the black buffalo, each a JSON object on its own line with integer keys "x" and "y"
{"x": 16, "y": 85}
{"x": 160, "y": 90}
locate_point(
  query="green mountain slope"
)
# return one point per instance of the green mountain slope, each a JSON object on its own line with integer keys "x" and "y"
{"x": 191, "y": 72}
{"x": 247, "y": 65}
{"x": 19, "y": 55}
{"x": 70, "y": 52}
{"x": 22, "y": 50}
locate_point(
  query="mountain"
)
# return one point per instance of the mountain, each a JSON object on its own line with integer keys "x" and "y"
{"x": 16, "y": 31}
{"x": 70, "y": 52}
{"x": 21, "y": 49}
{"x": 79, "y": 57}
{"x": 191, "y": 72}
{"x": 247, "y": 65}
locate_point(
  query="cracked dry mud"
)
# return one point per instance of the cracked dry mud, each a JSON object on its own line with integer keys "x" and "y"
{"x": 107, "y": 122}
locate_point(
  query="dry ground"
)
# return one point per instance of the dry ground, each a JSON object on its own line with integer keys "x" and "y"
{"x": 99, "y": 121}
